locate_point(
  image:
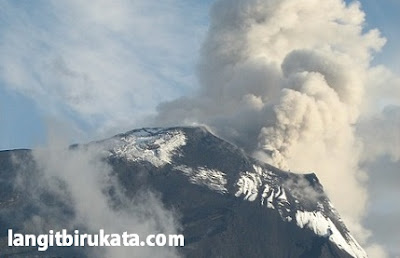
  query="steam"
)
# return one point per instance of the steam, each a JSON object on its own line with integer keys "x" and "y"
{"x": 286, "y": 81}
{"x": 302, "y": 189}
{"x": 387, "y": 139}
{"x": 82, "y": 180}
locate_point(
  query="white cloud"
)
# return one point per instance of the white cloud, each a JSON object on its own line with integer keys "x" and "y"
{"x": 289, "y": 79}
{"x": 109, "y": 63}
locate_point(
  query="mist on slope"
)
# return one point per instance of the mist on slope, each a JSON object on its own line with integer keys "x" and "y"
{"x": 81, "y": 180}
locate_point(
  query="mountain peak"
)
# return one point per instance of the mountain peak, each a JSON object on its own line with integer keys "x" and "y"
{"x": 229, "y": 203}
{"x": 219, "y": 166}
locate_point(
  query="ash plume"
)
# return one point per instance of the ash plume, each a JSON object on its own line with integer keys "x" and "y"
{"x": 286, "y": 81}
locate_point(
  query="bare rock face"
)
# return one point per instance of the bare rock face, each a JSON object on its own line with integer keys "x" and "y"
{"x": 229, "y": 204}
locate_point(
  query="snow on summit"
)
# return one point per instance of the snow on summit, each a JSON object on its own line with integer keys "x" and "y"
{"x": 150, "y": 145}
{"x": 272, "y": 188}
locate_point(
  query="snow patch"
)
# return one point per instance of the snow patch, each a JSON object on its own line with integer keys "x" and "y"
{"x": 248, "y": 185}
{"x": 324, "y": 227}
{"x": 152, "y": 146}
{"x": 270, "y": 200}
{"x": 265, "y": 193}
{"x": 211, "y": 178}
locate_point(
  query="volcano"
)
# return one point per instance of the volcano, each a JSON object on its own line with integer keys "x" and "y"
{"x": 230, "y": 205}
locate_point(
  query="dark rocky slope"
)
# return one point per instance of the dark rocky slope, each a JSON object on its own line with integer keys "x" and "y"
{"x": 230, "y": 205}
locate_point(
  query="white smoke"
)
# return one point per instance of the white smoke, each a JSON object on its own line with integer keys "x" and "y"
{"x": 286, "y": 80}
{"x": 386, "y": 140}
{"x": 82, "y": 179}
{"x": 289, "y": 81}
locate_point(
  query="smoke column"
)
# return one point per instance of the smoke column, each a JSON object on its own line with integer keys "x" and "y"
{"x": 286, "y": 80}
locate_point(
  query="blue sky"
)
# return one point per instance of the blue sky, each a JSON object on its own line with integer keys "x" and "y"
{"x": 55, "y": 58}
{"x": 384, "y": 16}
{"x": 102, "y": 67}
{"x": 23, "y": 119}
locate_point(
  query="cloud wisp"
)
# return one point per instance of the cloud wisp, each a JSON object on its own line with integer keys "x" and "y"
{"x": 290, "y": 82}
{"x": 102, "y": 65}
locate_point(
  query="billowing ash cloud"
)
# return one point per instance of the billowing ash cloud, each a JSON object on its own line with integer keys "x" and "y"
{"x": 386, "y": 140}
{"x": 286, "y": 80}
